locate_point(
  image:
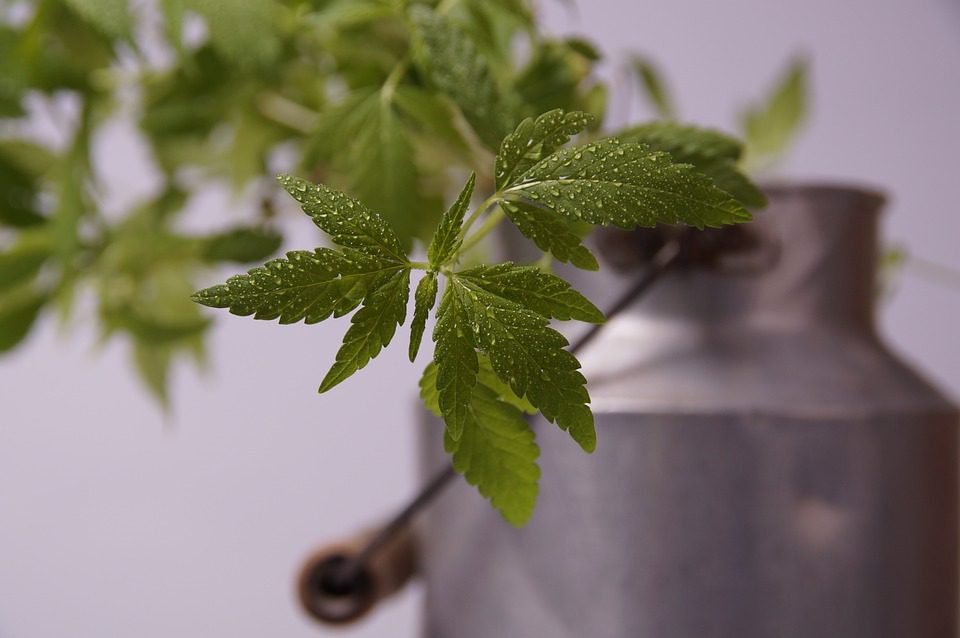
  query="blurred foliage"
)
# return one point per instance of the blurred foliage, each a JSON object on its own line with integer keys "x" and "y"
{"x": 376, "y": 96}
{"x": 768, "y": 128}
{"x": 381, "y": 98}
{"x": 771, "y": 126}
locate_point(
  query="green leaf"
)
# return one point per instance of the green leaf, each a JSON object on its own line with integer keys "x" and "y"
{"x": 27, "y": 156}
{"x": 496, "y": 450}
{"x": 520, "y": 151}
{"x": 373, "y": 326}
{"x": 432, "y": 114}
{"x": 624, "y": 185}
{"x": 691, "y": 143}
{"x": 183, "y": 106}
{"x": 497, "y": 453}
{"x": 425, "y": 297}
{"x": 559, "y": 75}
{"x": 153, "y": 364}
{"x": 241, "y": 245}
{"x": 11, "y": 84}
{"x": 21, "y": 167}
{"x": 348, "y": 14}
{"x": 654, "y": 87}
{"x": 711, "y": 152}
{"x": 23, "y": 260}
{"x": 348, "y": 222}
{"x": 526, "y": 354}
{"x": 111, "y": 17}
{"x": 19, "y": 309}
{"x": 456, "y": 358}
{"x": 381, "y": 168}
{"x": 552, "y": 234}
{"x": 543, "y": 292}
{"x": 58, "y": 49}
{"x": 447, "y": 56}
{"x": 535, "y": 139}
{"x": 486, "y": 376}
{"x": 495, "y": 26}
{"x": 771, "y": 126}
{"x": 371, "y": 270}
{"x": 428, "y": 389}
{"x": 155, "y": 330}
{"x": 254, "y": 136}
{"x": 242, "y": 31}
{"x": 447, "y": 240}
{"x": 306, "y": 286}
{"x": 173, "y": 14}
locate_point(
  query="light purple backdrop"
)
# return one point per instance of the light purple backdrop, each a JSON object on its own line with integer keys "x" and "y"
{"x": 117, "y": 521}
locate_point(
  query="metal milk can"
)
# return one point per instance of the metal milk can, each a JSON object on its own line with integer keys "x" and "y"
{"x": 765, "y": 467}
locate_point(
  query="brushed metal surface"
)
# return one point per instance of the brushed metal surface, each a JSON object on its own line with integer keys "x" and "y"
{"x": 765, "y": 466}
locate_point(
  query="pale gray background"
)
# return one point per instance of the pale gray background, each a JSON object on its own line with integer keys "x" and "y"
{"x": 116, "y": 521}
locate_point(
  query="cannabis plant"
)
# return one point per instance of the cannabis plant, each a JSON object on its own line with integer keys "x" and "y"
{"x": 388, "y": 103}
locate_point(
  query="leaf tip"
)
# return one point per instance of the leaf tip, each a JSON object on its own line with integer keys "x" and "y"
{"x": 206, "y": 297}
{"x": 517, "y": 519}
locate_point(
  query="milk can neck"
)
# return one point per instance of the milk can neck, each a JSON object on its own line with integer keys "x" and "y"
{"x": 813, "y": 263}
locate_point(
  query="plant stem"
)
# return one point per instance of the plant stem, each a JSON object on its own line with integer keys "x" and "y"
{"x": 420, "y": 265}
{"x": 491, "y": 222}
{"x": 287, "y": 112}
{"x": 393, "y": 80}
{"x": 934, "y": 271}
{"x": 480, "y": 210}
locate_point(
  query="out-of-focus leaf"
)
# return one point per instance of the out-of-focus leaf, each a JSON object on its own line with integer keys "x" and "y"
{"x": 494, "y": 25}
{"x": 433, "y": 116}
{"x": 60, "y": 50}
{"x": 173, "y": 14}
{"x": 382, "y": 172}
{"x": 241, "y": 245}
{"x": 182, "y": 108}
{"x": 23, "y": 260}
{"x": 144, "y": 282}
{"x": 244, "y": 31}
{"x": 595, "y": 101}
{"x": 153, "y": 364}
{"x": 11, "y": 90}
{"x": 556, "y": 76}
{"x": 253, "y": 138}
{"x": 892, "y": 260}
{"x": 771, "y": 126}
{"x": 72, "y": 176}
{"x": 22, "y": 165}
{"x": 19, "y": 309}
{"x": 654, "y": 87}
{"x": 111, "y": 17}
{"x": 28, "y": 156}
{"x": 369, "y": 143}
{"x": 151, "y": 330}
{"x": 448, "y": 57}
{"x": 347, "y": 14}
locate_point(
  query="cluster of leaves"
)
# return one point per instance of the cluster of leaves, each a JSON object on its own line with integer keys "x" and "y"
{"x": 496, "y": 356}
{"x": 388, "y": 101}
{"x": 384, "y": 98}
